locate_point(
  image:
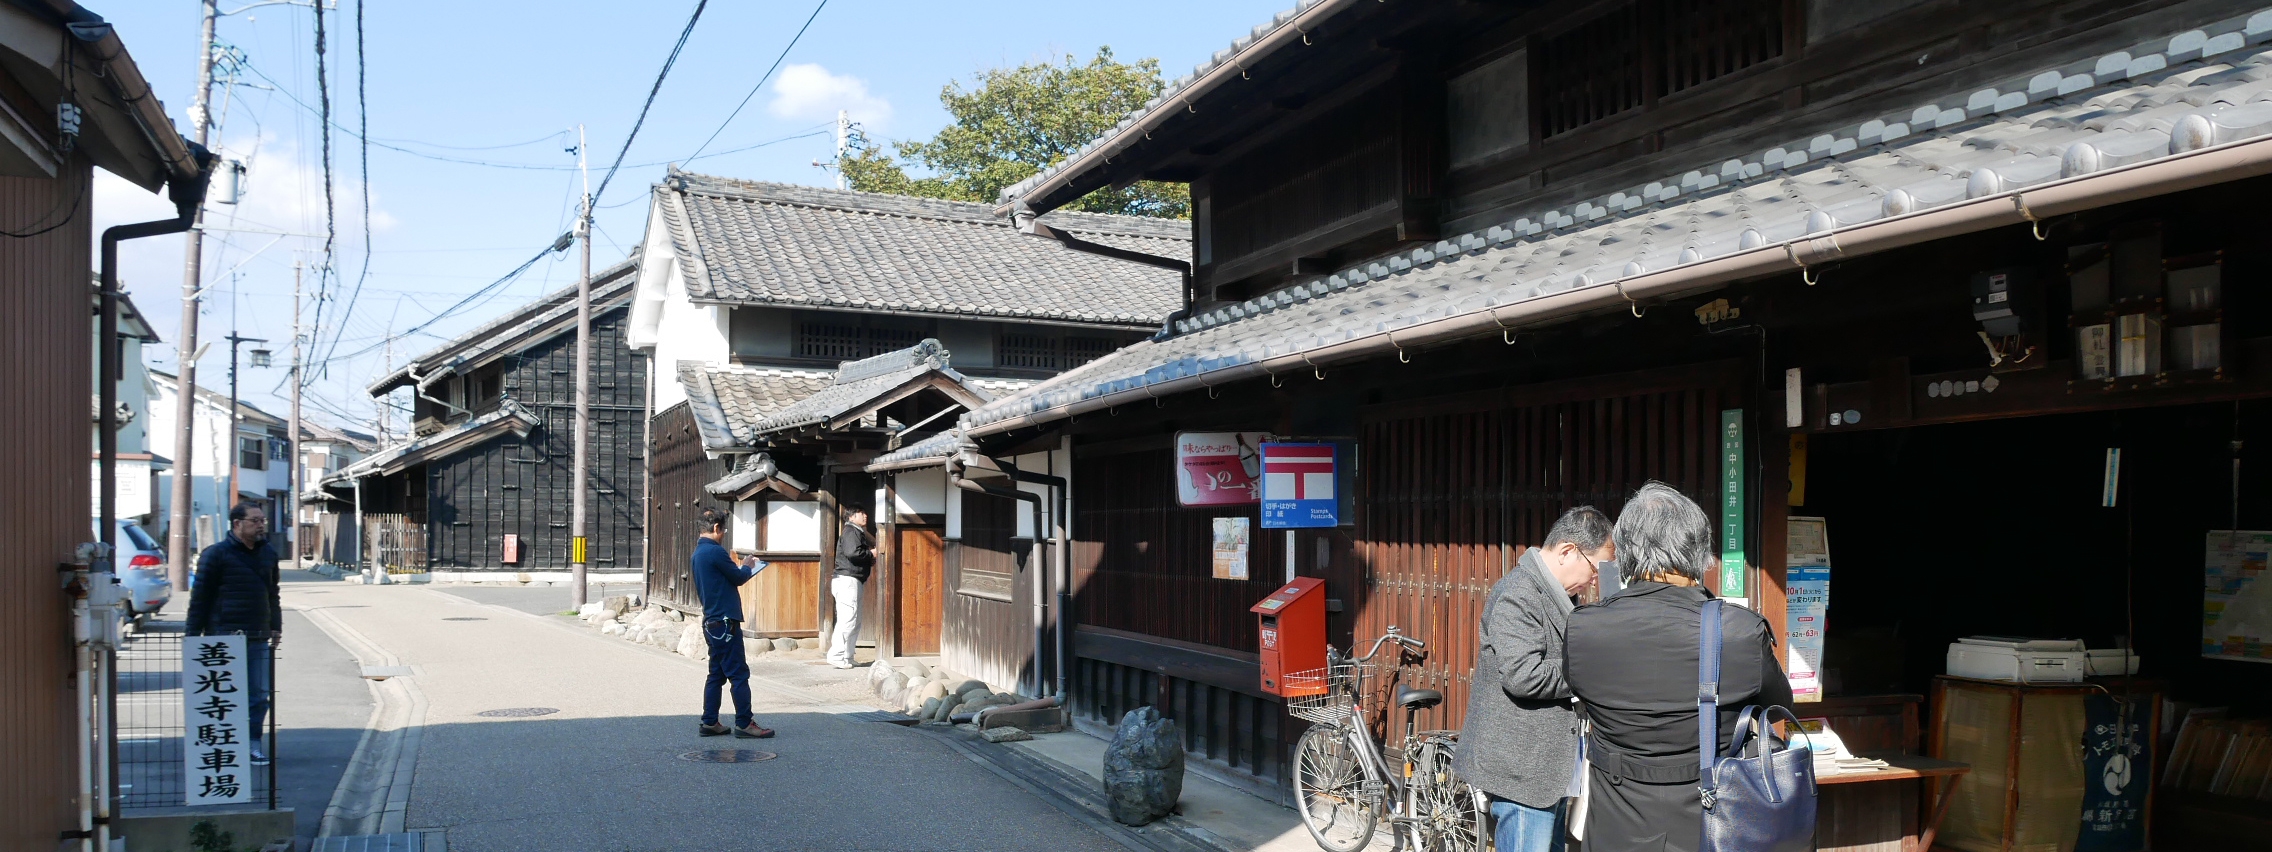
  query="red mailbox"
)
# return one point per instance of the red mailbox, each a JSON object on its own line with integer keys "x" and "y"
{"x": 1293, "y": 637}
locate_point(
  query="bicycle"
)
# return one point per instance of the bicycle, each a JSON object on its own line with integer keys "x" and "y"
{"x": 1342, "y": 782}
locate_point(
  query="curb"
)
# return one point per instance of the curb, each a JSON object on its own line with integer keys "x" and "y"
{"x": 373, "y": 796}
{"x": 1077, "y": 795}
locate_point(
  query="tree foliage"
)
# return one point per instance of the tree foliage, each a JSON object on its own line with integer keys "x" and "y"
{"x": 1011, "y": 123}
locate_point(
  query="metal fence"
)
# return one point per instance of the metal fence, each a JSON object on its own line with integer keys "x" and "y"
{"x": 151, "y": 770}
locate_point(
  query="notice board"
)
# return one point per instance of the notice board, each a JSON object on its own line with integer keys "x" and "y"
{"x": 2236, "y": 617}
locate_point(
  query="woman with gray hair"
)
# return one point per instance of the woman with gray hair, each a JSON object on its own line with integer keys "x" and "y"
{"x": 1632, "y": 661}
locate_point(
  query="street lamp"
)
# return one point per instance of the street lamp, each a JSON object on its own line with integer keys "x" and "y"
{"x": 260, "y": 358}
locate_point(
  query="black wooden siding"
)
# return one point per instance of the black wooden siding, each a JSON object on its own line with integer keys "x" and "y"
{"x": 681, "y": 471}
{"x": 522, "y": 486}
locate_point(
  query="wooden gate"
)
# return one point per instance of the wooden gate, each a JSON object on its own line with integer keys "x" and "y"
{"x": 920, "y": 555}
{"x": 395, "y": 542}
{"x": 1451, "y": 492}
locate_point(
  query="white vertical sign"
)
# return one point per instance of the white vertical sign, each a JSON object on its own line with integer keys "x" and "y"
{"x": 216, "y": 717}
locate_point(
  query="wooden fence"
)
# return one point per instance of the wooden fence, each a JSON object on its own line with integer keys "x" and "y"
{"x": 396, "y": 542}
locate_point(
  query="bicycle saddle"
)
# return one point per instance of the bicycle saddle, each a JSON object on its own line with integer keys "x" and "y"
{"x": 1418, "y": 699}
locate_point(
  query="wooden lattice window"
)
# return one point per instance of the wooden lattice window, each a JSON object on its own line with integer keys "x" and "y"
{"x": 1082, "y": 350}
{"x": 845, "y": 341}
{"x": 1632, "y": 55}
{"x": 1029, "y": 351}
{"x": 1591, "y": 72}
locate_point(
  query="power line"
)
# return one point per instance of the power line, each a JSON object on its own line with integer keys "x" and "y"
{"x": 651, "y": 93}
{"x": 554, "y": 135}
{"x": 330, "y": 207}
{"x": 560, "y": 244}
{"x": 363, "y": 136}
{"x": 760, "y": 80}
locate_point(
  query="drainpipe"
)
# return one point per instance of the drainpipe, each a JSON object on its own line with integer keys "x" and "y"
{"x": 1029, "y": 223}
{"x": 188, "y": 198}
{"x": 418, "y": 388}
{"x": 1059, "y": 546}
{"x": 955, "y": 466}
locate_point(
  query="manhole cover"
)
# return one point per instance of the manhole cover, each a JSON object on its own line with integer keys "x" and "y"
{"x": 466, "y": 618}
{"x": 518, "y": 712}
{"x": 727, "y": 755}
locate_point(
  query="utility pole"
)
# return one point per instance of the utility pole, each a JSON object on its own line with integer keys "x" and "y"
{"x": 578, "y": 547}
{"x": 292, "y": 446}
{"x": 235, "y": 441}
{"x": 177, "y": 522}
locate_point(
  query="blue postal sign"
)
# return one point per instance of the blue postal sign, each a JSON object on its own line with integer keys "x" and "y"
{"x": 1299, "y": 483}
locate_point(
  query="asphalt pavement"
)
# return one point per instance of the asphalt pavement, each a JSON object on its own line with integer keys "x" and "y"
{"x": 604, "y": 766}
{"x": 535, "y": 600}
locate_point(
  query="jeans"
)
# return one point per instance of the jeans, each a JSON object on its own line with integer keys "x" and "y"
{"x": 729, "y": 662}
{"x": 260, "y": 669}
{"x": 846, "y": 590}
{"x": 1521, "y": 828}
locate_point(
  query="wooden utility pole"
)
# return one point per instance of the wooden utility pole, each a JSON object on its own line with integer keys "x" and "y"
{"x": 293, "y": 476}
{"x": 578, "y": 547}
{"x": 178, "y": 543}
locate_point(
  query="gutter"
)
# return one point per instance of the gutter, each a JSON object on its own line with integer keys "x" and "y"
{"x": 187, "y": 164}
{"x": 1294, "y": 30}
{"x": 418, "y": 386}
{"x": 1029, "y": 223}
{"x": 2194, "y": 169}
{"x": 1061, "y": 322}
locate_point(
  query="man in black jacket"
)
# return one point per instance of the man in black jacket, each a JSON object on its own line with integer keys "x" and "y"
{"x": 856, "y": 554}
{"x": 235, "y": 591}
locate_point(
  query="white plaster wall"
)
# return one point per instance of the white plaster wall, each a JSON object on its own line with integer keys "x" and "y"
{"x": 667, "y": 326}
{"x": 922, "y": 491}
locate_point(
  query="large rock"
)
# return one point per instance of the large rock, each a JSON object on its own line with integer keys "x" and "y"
{"x": 1011, "y": 735}
{"x": 930, "y": 709}
{"x": 693, "y": 644}
{"x": 966, "y": 686}
{"x": 892, "y": 690}
{"x": 611, "y": 628}
{"x": 784, "y": 644}
{"x": 1143, "y": 767}
{"x": 619, "y": 603}
{"x": 877, "y": 671}
{"x": 809, "y": 644}
{"x": 935, "y": 689}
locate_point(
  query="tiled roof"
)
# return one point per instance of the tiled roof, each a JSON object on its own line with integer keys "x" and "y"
{"x": 746, "y": 242}
{"x": 751, "y": 470}
{"x": 726, "y": 401}
{"x": 508, "y": 416}
{"x": 859, "y": 383}
{"x": 610, "y": 287}
{"x": 2171, "y": 96}
{"x": 923, "y": 453}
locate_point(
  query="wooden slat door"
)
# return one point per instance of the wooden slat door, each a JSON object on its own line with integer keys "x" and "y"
{"x": 779, "y": 600}
{"x": 920, "y": 556}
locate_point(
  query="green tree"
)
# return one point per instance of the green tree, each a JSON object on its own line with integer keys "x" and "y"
{"x": 1011, "y": 123}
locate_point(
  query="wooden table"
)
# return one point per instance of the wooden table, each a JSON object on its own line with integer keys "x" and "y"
{"x": 1915, "y": 837}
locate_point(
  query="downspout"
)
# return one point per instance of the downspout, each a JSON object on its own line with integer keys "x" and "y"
{"x": 1029, "y": 223}
{"x": 1040, "y": 622}
{"x": 188, "y": 197}
{"x": 418, "y": 388}
{"x": 1060, "y": 547}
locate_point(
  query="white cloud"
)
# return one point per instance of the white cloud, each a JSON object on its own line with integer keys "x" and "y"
{"x": 809, "y": 92}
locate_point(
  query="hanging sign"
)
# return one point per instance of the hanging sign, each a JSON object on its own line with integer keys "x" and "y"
{"x": 2118, "y": 761}
{"x": 1218, "y": 468}
{"x": 1298, "y": 486}
{"x": 1731, "y": 504}
{"x": 216, "y": 720}
{"x": 1231, "y": 537}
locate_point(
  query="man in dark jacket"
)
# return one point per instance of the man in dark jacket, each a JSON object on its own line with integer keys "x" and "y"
{"x": 856, "y": 554}
{"x": 717, "y": 577}
{"x": 1632, "y": 659}
{"x": 234, "y": 591}
{"x": 1520, "y": 744}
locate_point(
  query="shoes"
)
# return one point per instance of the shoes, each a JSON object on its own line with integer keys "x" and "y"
{"x": 753, "y": 732}
{"x": 259, "y": 755}
{"x": 839, "y": 664}
{"x": 713, "y": 729}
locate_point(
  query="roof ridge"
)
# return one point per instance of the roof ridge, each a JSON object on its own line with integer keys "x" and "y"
{"x": 914, "y": 206}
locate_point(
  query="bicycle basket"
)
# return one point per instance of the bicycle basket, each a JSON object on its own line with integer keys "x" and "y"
{"x": 1326, "y": 696}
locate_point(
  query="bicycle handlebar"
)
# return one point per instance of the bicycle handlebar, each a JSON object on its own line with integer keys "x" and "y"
{"x": 1392, "y": 636}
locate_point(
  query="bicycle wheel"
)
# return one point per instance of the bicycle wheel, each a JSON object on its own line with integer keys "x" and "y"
{"x": 1447, "y": 816}
{"x": 1329, "y": 787}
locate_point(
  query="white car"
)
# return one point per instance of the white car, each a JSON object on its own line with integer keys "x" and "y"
{"x": 141, "y": 566}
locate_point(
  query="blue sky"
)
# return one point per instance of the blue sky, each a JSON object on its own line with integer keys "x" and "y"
{"x": 507, "y": 83}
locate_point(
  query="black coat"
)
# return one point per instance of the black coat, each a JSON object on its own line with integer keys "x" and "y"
{"x": 855, "y": 552}
{"x": 235, "y": 590}
{"x": 1632, "y": 660}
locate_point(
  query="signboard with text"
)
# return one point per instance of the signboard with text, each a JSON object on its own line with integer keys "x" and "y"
{"x": 1218, "y": 468}
{"x": 1298, "y": 486}
{"x": 216, "y": 720}
{"x": 1732, "y": 564}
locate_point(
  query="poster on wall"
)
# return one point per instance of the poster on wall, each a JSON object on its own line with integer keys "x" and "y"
{"x": 1219, "y": 468}
{"x": 1733, "y": 565}
{"x": 2118, "y": 761}
{"x": 1298, "y": 486}
{"x": 1806, "y": 604}
{"x": 1231, "y": 537}
{"x": 216, "y": 721}
{"x": 2236, "y": 618}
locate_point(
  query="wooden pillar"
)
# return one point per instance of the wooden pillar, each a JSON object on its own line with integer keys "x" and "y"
{"x": 885, "y": 591}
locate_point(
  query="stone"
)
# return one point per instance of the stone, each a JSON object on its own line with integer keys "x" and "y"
{"x": 1143, "y": 767}
{"x": 1011, "y": 735}
{"x": 674, "y": 615}
{"x": 693, "y": 644}
{"x": 1004, "y": 699}
{"x": 756, "y": 647}
{"x": 935, "y": 689}
{"x": 619, "y": 603}
{"x": 589, "y": 610}
{"x": 965, "y": 686}
{"x": 610, "y": 628}
{"x": 914, "y": 671}
{"x": 892, "y": 689}
{"x": 809, "y": 644}
{"x": 966, "y": 707}
{"x": 966, "y": 726}
{"x": 930, "y": 709}
{"x": 784, "y": 644}
{"x": 610, "y": 614}
{"x": 877, "y": 671}
{"x": 912, "y": 701}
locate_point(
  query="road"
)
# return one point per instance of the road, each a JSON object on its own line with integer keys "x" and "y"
{"x": 604, "y": 771}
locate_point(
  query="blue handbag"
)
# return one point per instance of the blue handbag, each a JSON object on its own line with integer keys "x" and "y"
{"x": 1763, "y": 801}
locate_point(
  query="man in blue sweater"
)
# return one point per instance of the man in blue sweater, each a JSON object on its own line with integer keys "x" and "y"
{"x": 717, "y": 577}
